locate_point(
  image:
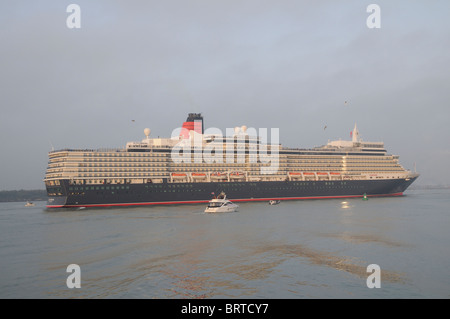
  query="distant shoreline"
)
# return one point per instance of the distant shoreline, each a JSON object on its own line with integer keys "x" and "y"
{"x": 23, "y": 195}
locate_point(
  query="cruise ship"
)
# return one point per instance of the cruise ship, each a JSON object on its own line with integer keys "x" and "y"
{"x": 192, "y": 166}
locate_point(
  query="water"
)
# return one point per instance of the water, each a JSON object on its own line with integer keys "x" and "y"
{"x": 297, "y": 249}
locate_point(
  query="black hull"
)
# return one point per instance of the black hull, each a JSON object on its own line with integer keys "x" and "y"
{"x": 190, "y": 193}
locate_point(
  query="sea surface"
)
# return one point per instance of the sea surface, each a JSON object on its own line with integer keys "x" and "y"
{"x": 297, "y": 249}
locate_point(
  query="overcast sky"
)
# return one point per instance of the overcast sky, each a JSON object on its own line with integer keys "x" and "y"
{"x": 286, "y": 64}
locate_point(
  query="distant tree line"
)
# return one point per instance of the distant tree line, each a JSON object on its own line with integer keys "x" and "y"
{"x": 23, "y": 195}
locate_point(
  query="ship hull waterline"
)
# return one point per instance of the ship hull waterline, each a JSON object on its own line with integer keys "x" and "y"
{"x": 120, "y": 195}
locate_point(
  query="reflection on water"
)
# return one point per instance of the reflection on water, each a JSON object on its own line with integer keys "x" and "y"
{"x": 344, "y": 205}
{"x": 342, "y": 263}
{"x": 365, "y": 238}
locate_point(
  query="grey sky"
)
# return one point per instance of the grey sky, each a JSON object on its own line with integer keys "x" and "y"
{"x": 284, "y": 64}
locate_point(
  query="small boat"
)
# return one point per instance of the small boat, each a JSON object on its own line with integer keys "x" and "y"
{"x": 29, "y": 204}
{"x": 274, "y": 202}
{"x": 179, "y": 175}
{"x": 198, "y": 175}
{"x": 237, "y": 175}
{"x": 365, "y": 197}
{"x": 221, "y": 205}
{"x": 218, "y": 175}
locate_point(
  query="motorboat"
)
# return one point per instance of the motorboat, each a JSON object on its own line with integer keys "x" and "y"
{"x": 274, "y": 202}
{"x": 221, "y": 204}
{"x": 29, "y": 204}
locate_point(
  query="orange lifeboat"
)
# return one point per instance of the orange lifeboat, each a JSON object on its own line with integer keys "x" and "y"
{"x": 198, "y": 175}
{"x": 179, "y": 175}
{"x": 237, "y": 175}
{"x": 218, "y": 175}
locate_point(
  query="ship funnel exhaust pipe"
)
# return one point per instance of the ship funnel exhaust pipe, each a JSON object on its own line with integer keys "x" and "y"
{"x": 194, "y": 122}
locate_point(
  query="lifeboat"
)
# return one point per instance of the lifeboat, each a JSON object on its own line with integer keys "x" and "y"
{"x": 218, "y": 175}
{"x": 237, "y": 175}
{"x": 179, "y": 175}
{"x": 295, "y": 175}
{"x": 322, "y": 175}
{"x": 198, "y": 175}
{"x": 335, "y": 175}
{"x": 308, "y": 173}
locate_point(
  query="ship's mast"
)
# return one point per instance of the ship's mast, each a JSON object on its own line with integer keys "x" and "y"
{"x": 355, "y": 135}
